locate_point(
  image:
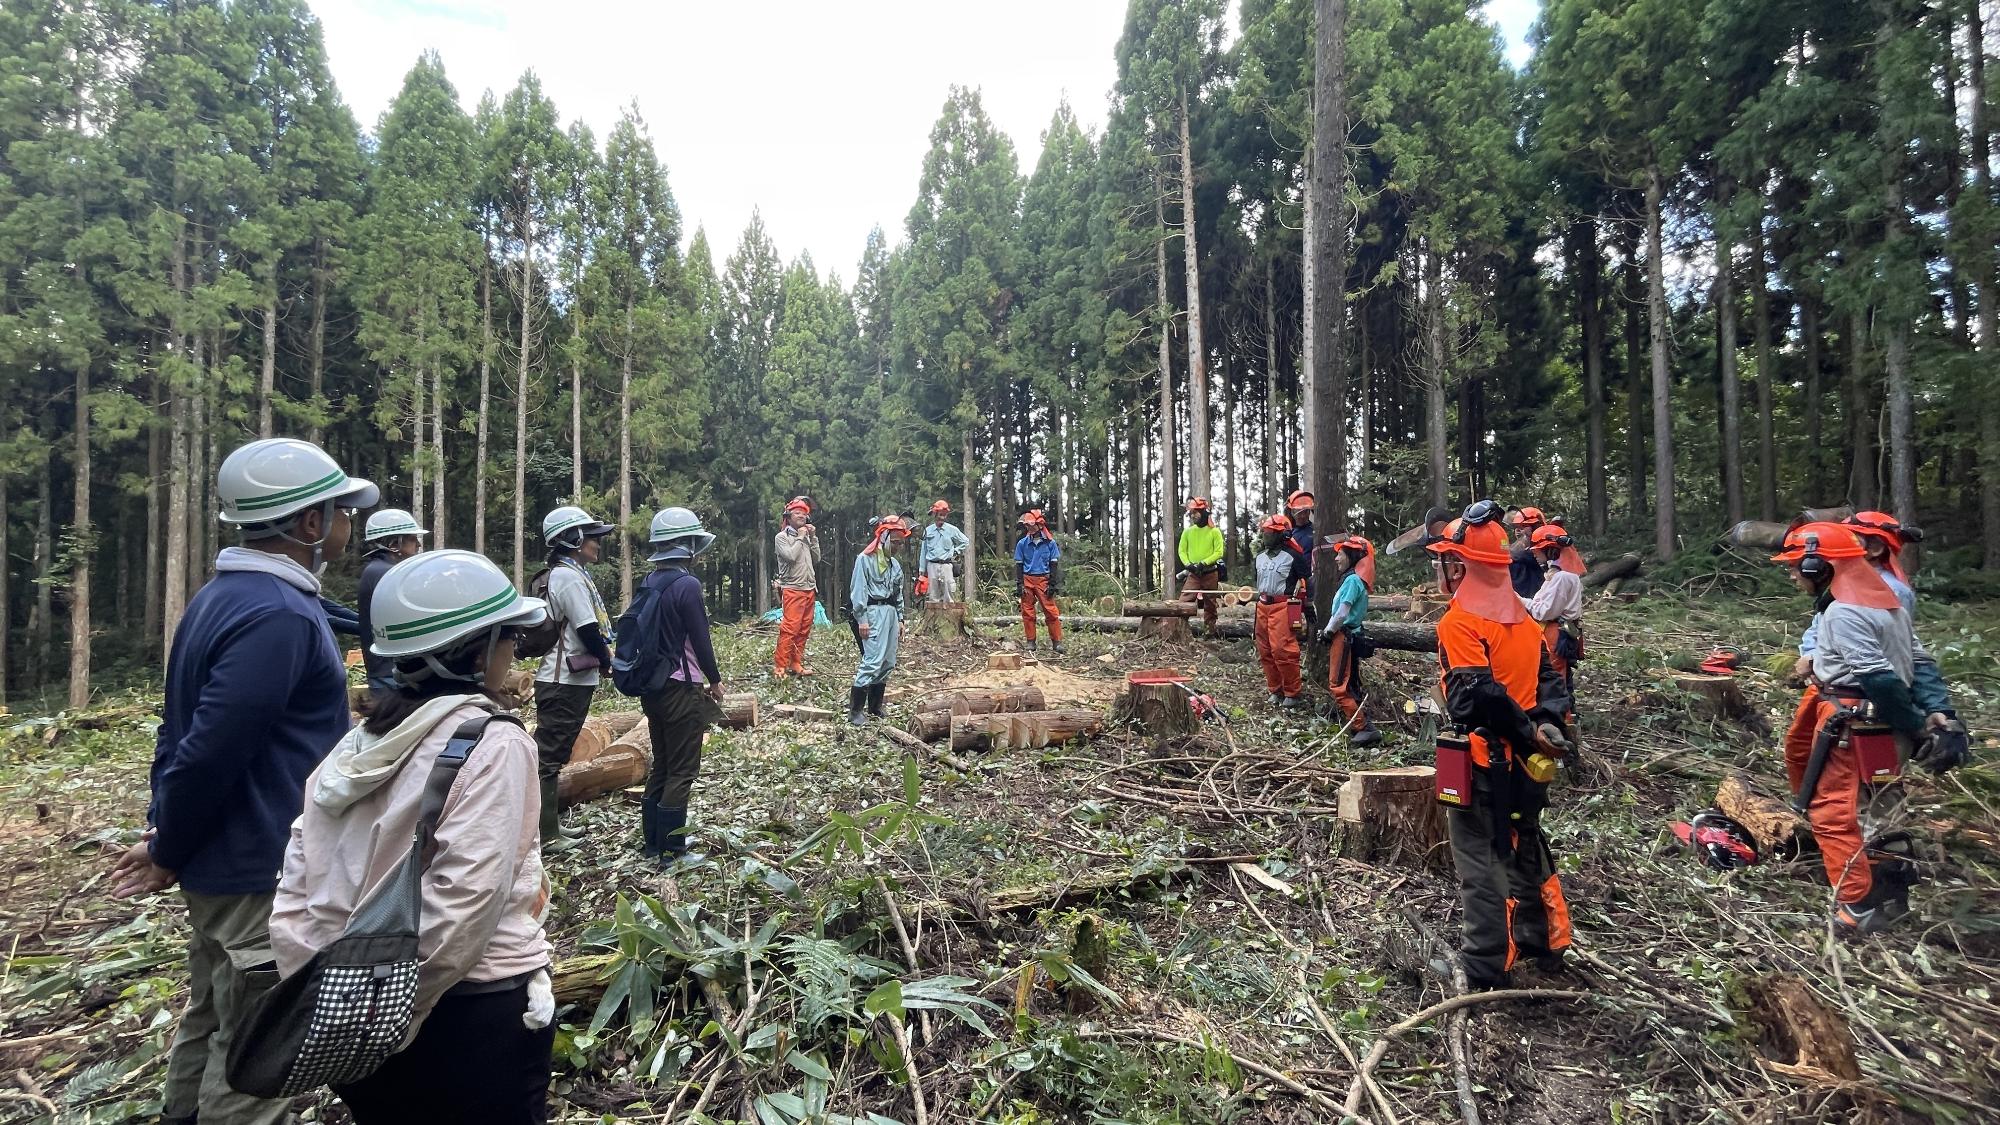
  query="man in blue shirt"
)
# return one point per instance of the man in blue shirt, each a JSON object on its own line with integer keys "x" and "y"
{"x": 256, "y": 696}
{"x": 943, "y": 545}
{"x": 1038, "y": 578}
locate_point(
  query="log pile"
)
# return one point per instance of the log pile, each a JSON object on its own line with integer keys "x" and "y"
{"x": 932, "y": 721}
{"x": 1392, "y": 814}
{"x": 1023, "y": 729}
{"x": 618, "y": 765}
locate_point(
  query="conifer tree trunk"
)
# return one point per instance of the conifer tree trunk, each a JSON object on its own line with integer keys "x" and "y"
{"x": 1732, "y": 393}
{"x": 1135, "y": 483}
{"x": 200, "y": 478}
{"x": 485, "y": 392}
{"x": 83, "y": 540}
{"x": 1235, "y": 529}
{"x": 971, "y": 528}
{"x": 1590, "y": 312}
{"x": 316, "y": 360}
{"x": 439, "y": 532}
{"x": 1328, "y": 247}
{"x": 1989, "y": 293}
{"x": 417, "y": 390}
{"x": 1435, "y": 424}
{"x": 42, "y": 613}
{"x": 521, "y": 401}
{"x": 1760, "y": 318}
{"x": 156, "y": 465}
{"x": 1169, "y": 494}
{"x": 625, "y": 460}
{"x": 1199, "y": 457}
{"x": 1862, "y": 416}
{"x": 1815, "y": 399}
{"x": 1663, "y": 408}
{"x": 576, "y": 408}
{"x": 6, "y": 593}
{"x": 1364, "y": 399}
{"x": 1302, "y": 453}
{"x": 267, "y": 377}
{"x": 174, "y": 589}
{"x": 1274, "y": 488}
{"x": 1635, "y": 386}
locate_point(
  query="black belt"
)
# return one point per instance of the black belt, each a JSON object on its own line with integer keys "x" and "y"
{"x": 897, "y": 600}
{"x": 485, "y": 987}
{"x": 1272, "y": 599}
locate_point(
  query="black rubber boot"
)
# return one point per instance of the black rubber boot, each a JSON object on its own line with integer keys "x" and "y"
{"x": 673, "y": 835}
{"x": 651, "y": 844}
{"x": 875, "y": 692}
{"x": 857, "y": 699}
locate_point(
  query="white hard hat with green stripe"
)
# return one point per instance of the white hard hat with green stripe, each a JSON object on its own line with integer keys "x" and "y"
{"x": 677, "y": 533}
{"x": 269, "y": 481}
{"x": 428, "y": 603}
{"x": 569, "y": 526}
{"x": 389, "y": 523}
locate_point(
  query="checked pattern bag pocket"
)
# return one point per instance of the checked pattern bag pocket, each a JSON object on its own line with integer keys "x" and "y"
{"x": 351, "y": 1006}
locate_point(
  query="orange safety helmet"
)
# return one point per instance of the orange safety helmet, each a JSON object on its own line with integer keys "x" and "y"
{"x": 1033, "y": 518}
{"x": 892, "y": 524}
{"x": 1818, "y": 548}
{"x": 1364, "y": 566}
{"x": 940, "y": 508}
{"x": 1551, "y": 536}
{"x": 1820, "y": 540}
{"x": 1198, "y": 504}
{"x": 1528, "y": 518}
{"x": 1888, "y": 531}
{"x": 1279, "y": 524}
{"x": 798, "y": 504}
{"x": 1475, "y": 536}
{"x": 1299, "y": 501}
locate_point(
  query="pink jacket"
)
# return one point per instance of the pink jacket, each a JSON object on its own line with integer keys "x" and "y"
{"x": 484, "y": 893}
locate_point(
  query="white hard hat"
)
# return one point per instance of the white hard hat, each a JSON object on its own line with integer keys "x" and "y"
{"x": 268, "y": 481}
{"x": 429, "y": 602}
{"x": 390, "y": 523}
{"x": 569, "y": 526}
{"x": 677, "y": 534}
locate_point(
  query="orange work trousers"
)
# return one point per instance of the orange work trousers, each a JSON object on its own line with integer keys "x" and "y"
{"x": 1343, "y": 679}
{"x": 793, "y": 629}
{"x": 1034, "y": 593}
{"x": 1835, "y": 809}
{"x": 1278, "y": 649}
{"x": 1209, "y": 581}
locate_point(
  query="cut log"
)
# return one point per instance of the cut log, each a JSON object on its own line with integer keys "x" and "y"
{"x": 517, "y": 689}
{"x": 800, "y": 713}
{"x": 1161, "y": 710}
{"x": 1798, "y": 1034}
{"x": 619, "y": 722}
{"x": 1024, "y": 729}
{"x": 593, "y": 740}
{"x": 739, "y": 711}
{"x": 1162, "y": 609}
{"x": 1401, "y": 636}
{"x": 622, "y": 765}
{"x": 1771, "y": 822}
{"x": 932, "y": 721}
{"x": 1392, "y": 815}
{"x": 1167, "y": 630}
{"x": 944, "y": 621}
{"x": 1003, "y": 661}
{"x": 1624, "y": 566}
{"x": 1767, "y": 535}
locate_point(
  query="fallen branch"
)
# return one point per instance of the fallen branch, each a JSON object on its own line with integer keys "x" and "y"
{"x": 1249, "y": 1064}
{"x": 1443, "y": 1007}
{"x": 917, "y": 745}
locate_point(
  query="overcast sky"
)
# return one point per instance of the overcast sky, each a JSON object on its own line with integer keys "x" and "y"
{"x": 816, "y": 113}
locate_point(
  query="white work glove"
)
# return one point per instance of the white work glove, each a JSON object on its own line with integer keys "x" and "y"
{"x": 541, "y": 1002}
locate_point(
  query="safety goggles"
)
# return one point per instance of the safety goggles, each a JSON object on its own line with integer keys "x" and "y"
{"x": 1477, "y": 513}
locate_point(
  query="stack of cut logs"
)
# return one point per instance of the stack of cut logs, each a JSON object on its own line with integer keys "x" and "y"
{"x": 1003, "y": 718}
{"x": 614, "y": 750}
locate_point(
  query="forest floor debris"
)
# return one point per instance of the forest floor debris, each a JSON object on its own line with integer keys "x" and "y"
{"x": 1124, "y": 928}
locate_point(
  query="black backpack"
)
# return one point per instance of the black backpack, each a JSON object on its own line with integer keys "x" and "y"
{"x": 536, "y": 641}
{"x": 648, "y": 643}
{"x": 350, "y": 1007}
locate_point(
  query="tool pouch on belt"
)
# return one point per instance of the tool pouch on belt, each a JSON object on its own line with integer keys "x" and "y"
{"x": 1877, "y": 754}
{"x": 1569, "y": 641}
{"x": 1295, "y": 614}
{"x": 1359, "y": 643}
{"x": 1454, "y": 770}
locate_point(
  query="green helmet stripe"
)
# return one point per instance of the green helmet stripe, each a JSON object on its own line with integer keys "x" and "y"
{"x": 330, "y": 481}
{"x": 433, "y": 623}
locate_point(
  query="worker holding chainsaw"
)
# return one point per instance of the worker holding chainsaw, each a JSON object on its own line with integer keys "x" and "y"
{"x": 875, "y": 602}
{"x": 1202, "y": 565}
{"x": 1038, "y": 578}
{"x": 1346, "y": 644}
{"x": 1282, "y": 610}
{"x": 1865, "y": 690}
{"x": 1508, "y": 708}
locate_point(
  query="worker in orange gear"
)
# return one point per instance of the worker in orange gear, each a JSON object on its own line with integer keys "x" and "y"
{"x": 1508, "y": 704}
{"x": 1865, "y": 661}
{"x": 1299, "y": 508}
{"x": 1354, "y": 559}
{"x": 1524, "y": 569}
{"x": 1281, "y": 583}
{"x": 797, "y": 548}
{"x": 1038, "y": 578}
{"x": 1201, "y": 555}
{"x": 1558, "y": 605}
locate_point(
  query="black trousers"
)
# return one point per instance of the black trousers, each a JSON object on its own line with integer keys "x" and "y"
{"x": 560, "y": 710}
{"x": 676, "y": 716}
{"x": 473, "y": 1062}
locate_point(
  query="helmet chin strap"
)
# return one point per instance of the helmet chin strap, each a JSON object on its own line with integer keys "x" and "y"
{"x": 317, "y": 546}
{"x": 434, "y": 668}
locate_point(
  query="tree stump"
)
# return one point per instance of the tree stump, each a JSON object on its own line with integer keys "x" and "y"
{"x": 1089, "y": 951}
{"x": 1024, "y": 729}
{"x": 1392, "y": 814}
{"x": 1719, "y": 697}
{"x": 1160, "y": 709}
{"x": 739, "y": 711}
{"x": 944, "y": 621}
{"x": 932, "y": 721}
{"x": 1798, "y": 1035}
{"x": 1170, "y": 630}
{"x": 1003, "y": 661}
{"x": 1771, "y": 822}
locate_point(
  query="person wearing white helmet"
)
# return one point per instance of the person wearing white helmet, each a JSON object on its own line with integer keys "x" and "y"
{"x": 568, "y": 677}
{"x": 256, "y": 692}
{"x": 666, "y": 658}
{"x": 390, "y": 536}
{"x": 446, "y": 622}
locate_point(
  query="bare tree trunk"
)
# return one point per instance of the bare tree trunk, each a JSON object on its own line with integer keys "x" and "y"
{"x": 1364, "y": 398}
{"x": 576, "y": 407}
{"x": 1434, "y": 415}
{"x": 1896, "y": 338}
{"x": 1760, "y": 319}
{"x": 1235, "y": 528}
{"x": 440, "y": 534}
{"x": 625, "y": 461}
{"x": 201, "y": 475}
{"x": 267, "y": 377}
{"x": 1663, "y": 408}
{"x": 485, "y": 393}
{"x": 1815, "y": 398}
{"x": 1199, "y": 456}
{"x": 1306, "y": 448}
{"x": 1135, "y": 478}
{"x": 1635, "y": 386}
{"x": 1274, "y": 488}
{"x": 418, "y": 387}
{"x": 1862, "y": 415}
{"x": 83, "y": 546}
{"x": 6, "y": 592}
{"x": 174, "y": 594}
{"x": 971, "y": 529}
{"x": 316, "y": 362}
{"x": 1328, "y": 186}
{"x": 1989, "y": 294}
{"x": 1590, "y": 311}
{"x": 764, "y": 534}
{"x": 521, "y": 402}
{"x": 1169, "y": 494}
{"x": 156, "y": 471}
{"x": 41, "y": 615}
{"x": 1732, "y": 391}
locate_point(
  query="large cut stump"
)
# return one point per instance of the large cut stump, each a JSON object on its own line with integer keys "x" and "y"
{"x": 933, "y": 718}
{"x": 944, "y": 620}
{"x": 1160, "y": 706}
{"x": 1171, "y": 630}
{"x": 1392, "y": 814}
{"x": 1719, "y": 697}
{"x": 1772, "y": 822}
{"x": 1023, "y": 730}
{"x": 739, "y": 711}
{"x": 1798, "y": 1034}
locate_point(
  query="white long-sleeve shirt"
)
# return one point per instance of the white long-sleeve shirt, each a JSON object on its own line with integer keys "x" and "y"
{"x": 1559, "y": 599}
